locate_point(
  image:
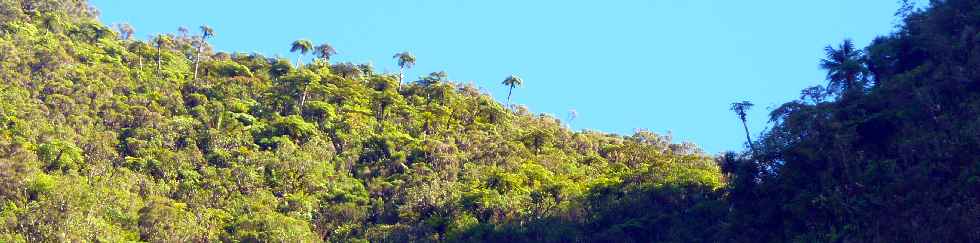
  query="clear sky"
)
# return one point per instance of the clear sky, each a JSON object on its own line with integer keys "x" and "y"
{"x": 662, "y": 65}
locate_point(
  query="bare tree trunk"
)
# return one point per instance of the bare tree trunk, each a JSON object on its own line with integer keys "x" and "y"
{"x": 159, "y": 54}
{"x": 140, "y": 54}
{"x": 381, "y": 118}
{"x": 302, "y": 100}
{"x": 197, "y": 63}
{"x": 509, "y": 92}
{"x": 220, "y": 118}
{"x": 748, "y": 138}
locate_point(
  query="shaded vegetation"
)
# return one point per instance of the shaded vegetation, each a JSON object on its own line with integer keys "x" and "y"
{"x": 888, "y": 152}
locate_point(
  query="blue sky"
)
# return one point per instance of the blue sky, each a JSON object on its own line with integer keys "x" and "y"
{"x": 662, "y": 65}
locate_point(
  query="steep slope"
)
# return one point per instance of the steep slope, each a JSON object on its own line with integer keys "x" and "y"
{"x": 896, "y": 158}
{"x": 110, "y": 139}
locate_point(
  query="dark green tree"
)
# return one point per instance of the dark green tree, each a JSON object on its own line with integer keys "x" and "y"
{"x": 845, "y": 67}
{"x": 740, "y": 109}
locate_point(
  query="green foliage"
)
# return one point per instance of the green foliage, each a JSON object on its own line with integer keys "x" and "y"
{"x": 41, "y": 184}
{"x": 284, "y": 129}
{"x": 59, "y": 155}
{"x": 105, "y": 139}
{"x": 165, "y": 221}
{"x": 230, "y": 69}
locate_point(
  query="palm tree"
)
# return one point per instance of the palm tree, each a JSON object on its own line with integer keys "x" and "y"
{"x": 740, "y": 108}
{"x": 161, "y": 41}
{"x": 206, "y": 32}
{"x": 303, "y": 46}
{"x": 844, "y": 67}
{"x": 405, "y": 60}
{"x": 512, "y": 81}
{"x": 324, "y": 51}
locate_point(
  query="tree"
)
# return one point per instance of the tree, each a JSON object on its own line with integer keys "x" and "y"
{"x": 182, "y": 30}
{"x": 206, "y": 32}
{"x": 844, "y": 66}
{"x": 279, "y": 68}
{"x": 304, "y": 79}
{"x": 302, "y": 46}
{"x": 512, "y": 82}
{"x": 434, "y": 78}
{"x": 740, "y": 108}
{"x": 60, "y": 155}
{"x": 405, "y": 60}
{"x": 815, "y": 94}
{"x": 161, "y": 41}
{"x": 125, "y": 31}
{"x": 347, "y": 70}
{"x": 366, "y": 68}
{"x": 385, "y": 96}
{"x": 324, "y": 51}
{"x": 162, "y": 220}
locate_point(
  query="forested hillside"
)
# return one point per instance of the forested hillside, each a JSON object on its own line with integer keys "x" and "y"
{"x": 888, "y": 151}
{"x": 107, "y": 138}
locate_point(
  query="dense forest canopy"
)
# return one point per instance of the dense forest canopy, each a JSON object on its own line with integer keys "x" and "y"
{"x": 106, "y": 138}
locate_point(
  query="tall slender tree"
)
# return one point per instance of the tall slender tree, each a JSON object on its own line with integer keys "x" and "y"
{"x": 206, "y": 32}
{"x": 405, "y": 60}
{"x": 844, "y": 66}
{"x": 302, "y": 46}
{"x": 161, "y": 41}
{"x": 512, "y": 82}
{"x": 740, "y": 109}
{"x": 324, "y": 51}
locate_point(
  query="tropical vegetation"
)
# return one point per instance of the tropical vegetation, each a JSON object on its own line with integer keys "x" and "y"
{"x": 205, "y": 146}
